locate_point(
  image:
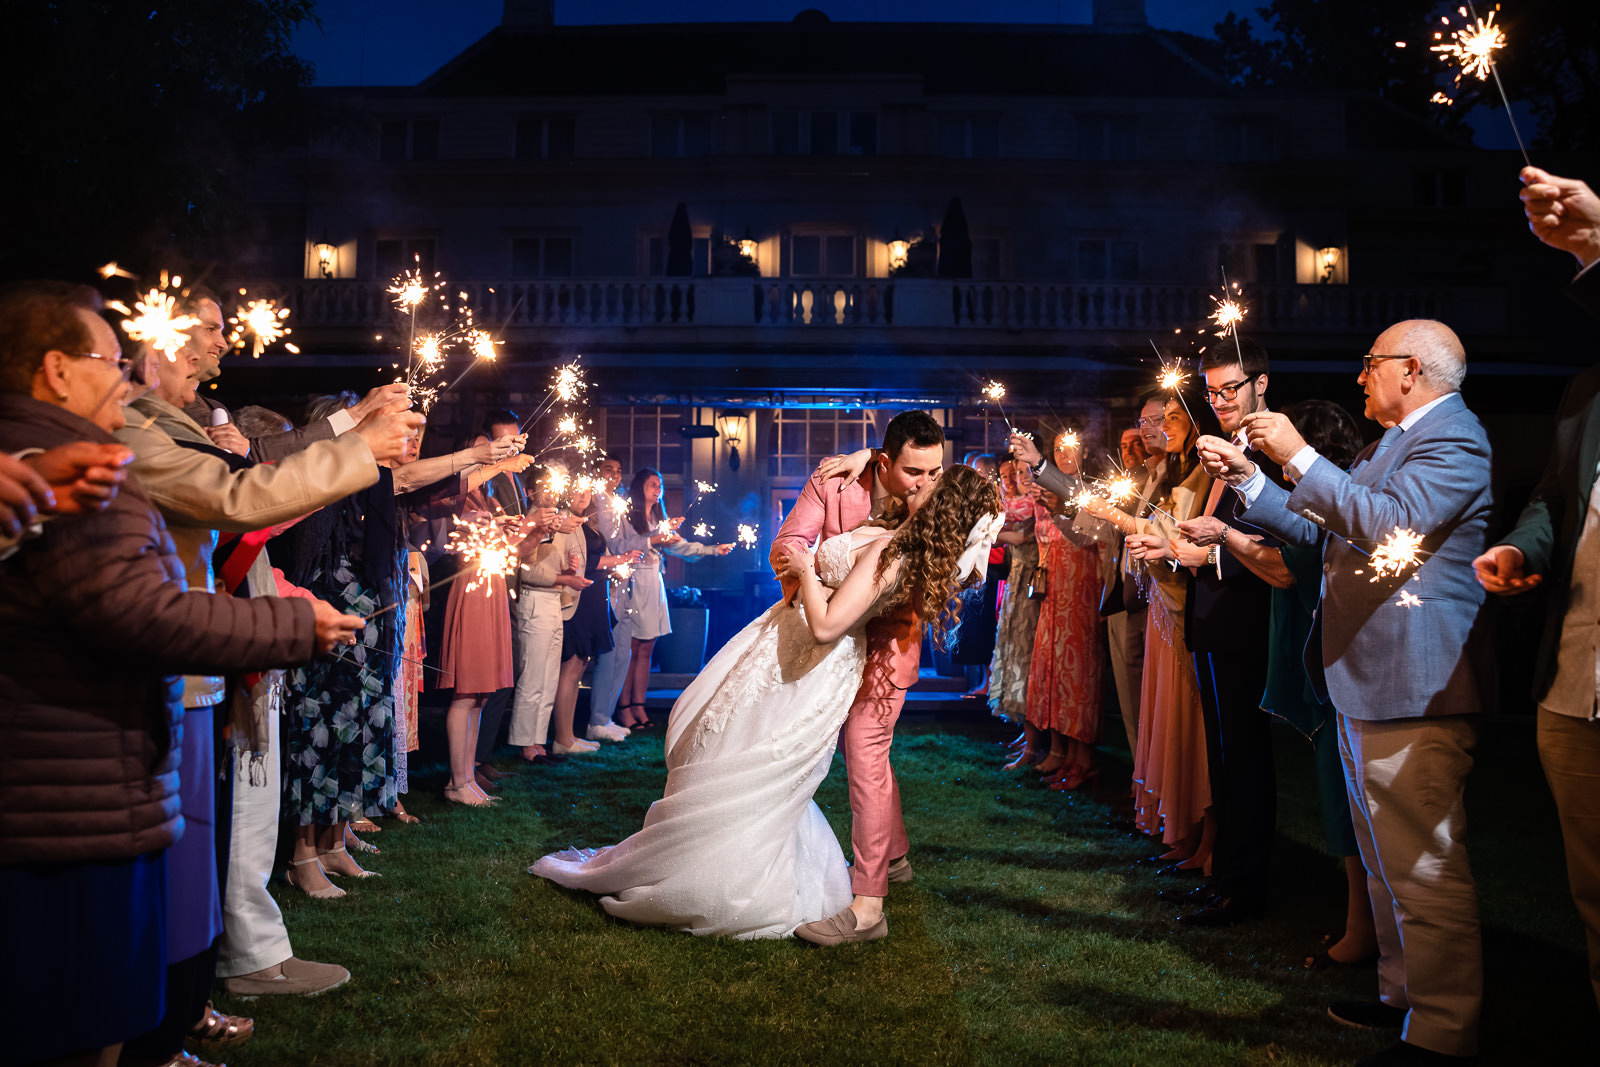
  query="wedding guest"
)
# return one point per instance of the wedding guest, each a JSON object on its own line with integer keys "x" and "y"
{"x": 1172, "y": 789}
{"x": 975, "y": 633}
{"x": 1555, "y": 537}
{"x": 510, "y": 495}
{"x": 85, "y": 835}
{"x": 640, "y": 602}
{"x": 1019, "y": 609}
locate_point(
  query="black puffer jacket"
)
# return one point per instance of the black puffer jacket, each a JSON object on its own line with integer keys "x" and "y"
{"x": 96, "y": 622}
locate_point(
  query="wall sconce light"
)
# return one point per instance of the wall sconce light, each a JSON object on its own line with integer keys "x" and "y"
{"x": 747, "y": 249}
{"x": 327, "y": 255}
{"x": 1328, "y": 258}
{"x": 898, "y": 250}
{"x": 732, "y": 427}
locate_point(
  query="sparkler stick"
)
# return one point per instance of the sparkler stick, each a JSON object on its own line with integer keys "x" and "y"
{"x": 1171, "y": 379}
{"x": 1228, "y": 316}
{"x": 1473, "y": 47}
{"x": 996, "y": 392}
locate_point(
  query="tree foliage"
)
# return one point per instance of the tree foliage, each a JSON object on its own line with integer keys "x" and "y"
{"x": 1551, "y": 61}
{"x": 130, "y": 125}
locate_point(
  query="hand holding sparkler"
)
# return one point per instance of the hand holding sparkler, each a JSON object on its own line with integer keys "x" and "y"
{"x": 1563, "y": 213}
{"x": 1273, "y": 434}
{"x": 1205, "y": 531}
{"x": 1149, "y": 547}
{"x": 334, "y": 628}
{"x": 383, "y": 399}
{"x": 1023, "y": 448}
{"x": 1223, "y": 459}
{"x": 387, "y": 434}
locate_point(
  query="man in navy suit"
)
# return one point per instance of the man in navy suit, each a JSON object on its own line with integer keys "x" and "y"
{"x": 1558, "y": 535}
{"x": 1399, "y": 654}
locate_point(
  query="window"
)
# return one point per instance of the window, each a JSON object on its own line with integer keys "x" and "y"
{"x": 1108, "y": 138}
{"x": 1441, "y": 188}
{"x": 1247, "y": 139}
{"x": 822, "y": 255}
{"x": 969, "y": 136}
{"x": 1108, "y": 261}
{"x": 394, "y": 255}
{"x": 542, "y": 257}
{"x": 824, "y": 133}
{"x": 647, "y": 437}
{"x": 799, "y": 439}
{"x": 545, "y": 138}
{"x": 408, "y": 139}
{"x": 700, "y": 253}
{"x": 680, "y": 136}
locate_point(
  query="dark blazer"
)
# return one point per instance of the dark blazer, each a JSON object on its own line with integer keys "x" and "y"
{"x": 1381, "y": 659}
{"x": 1548, "y": 528}
{"x": 1219, "y": 609}
{"x": 96, "y": 621}
{"x": 274, "y": 446}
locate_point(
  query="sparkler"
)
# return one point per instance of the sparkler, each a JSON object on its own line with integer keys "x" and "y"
{"x": 488, "y": 550}
{"x": 1228, "y": 315}
{"x": 566, "y": 386}
{"x": 262, "y": 321}
{"x": 154, "y": 323}
{"x": 1172, "y": 379}
{"x": 1395, "y": 553}
{"x": 622, "y": 571}
{"x": 568, "y": 425}
{"x": 1472, "y": 47}
{"x": 702, "y": 529}
{"x": 664, "y": 528}
{"x": 111, "y": 270}
{"x": 994, "y": 392}
{"x": 747, "y": 535}
{"x": 1408, "y": 599}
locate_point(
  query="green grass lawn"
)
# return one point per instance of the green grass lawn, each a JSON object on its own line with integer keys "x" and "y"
{"x": 1028, "y": 936}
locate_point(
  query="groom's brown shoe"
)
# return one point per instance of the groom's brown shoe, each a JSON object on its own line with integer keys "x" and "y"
{"x": 900, "y": 871}
{"x": 840, "y": 929}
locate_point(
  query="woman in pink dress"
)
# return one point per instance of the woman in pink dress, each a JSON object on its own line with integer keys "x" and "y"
{"x": 1171, "y": 785}
{"x": 1064, "y": 680}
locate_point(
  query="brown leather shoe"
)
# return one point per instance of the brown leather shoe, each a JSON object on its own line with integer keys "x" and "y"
{"x": 840, "y": 929}
{"x": 900, "y": 871}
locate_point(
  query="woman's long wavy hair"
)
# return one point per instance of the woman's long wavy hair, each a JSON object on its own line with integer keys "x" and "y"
{"x": 929, "y": 545}
{"x": 642, "y": 518}
{"x": 1180, "y": 464}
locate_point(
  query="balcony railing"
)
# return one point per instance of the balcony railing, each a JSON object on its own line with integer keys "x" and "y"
{"x": 880, "y": 304}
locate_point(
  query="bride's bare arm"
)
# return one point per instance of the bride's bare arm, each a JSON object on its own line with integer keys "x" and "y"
{"x": 830, "y": 617}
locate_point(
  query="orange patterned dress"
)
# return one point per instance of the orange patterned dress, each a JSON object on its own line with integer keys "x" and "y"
{"x": 1064, "y": 680}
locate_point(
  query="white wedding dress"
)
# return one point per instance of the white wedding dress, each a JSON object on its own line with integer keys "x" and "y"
{"x": 736, "y": 846}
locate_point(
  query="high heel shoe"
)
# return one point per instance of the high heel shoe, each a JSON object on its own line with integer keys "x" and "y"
{"x": 357, "y": 873}
{"x": 327, "y": 892}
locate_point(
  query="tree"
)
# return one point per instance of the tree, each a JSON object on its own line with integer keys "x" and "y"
{"x": 130, "y": 127}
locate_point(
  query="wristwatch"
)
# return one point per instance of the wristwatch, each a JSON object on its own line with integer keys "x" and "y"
{"x": 1214, "y": 556}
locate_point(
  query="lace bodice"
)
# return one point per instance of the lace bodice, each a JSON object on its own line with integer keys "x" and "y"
{"x": 833, "y": 560}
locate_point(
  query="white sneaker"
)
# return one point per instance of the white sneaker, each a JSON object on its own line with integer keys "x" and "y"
{"x": 578, "y": 747}
{"x": 608, "y": 731}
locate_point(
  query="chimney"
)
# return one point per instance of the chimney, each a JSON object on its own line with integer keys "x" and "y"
{"x": 1108, "y": 14}
{"x": 530, "y": 14}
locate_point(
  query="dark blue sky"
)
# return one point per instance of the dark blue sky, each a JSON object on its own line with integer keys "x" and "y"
{"x": 400, "y": 42}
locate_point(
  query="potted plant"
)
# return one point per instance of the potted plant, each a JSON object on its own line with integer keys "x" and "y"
{"x": 683, "y": 651}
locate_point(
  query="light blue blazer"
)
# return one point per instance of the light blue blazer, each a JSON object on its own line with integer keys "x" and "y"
{"x": 1378, "y": 658}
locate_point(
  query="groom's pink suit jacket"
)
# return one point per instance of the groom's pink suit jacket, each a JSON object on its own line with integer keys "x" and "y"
{"x": 894, "y": 652}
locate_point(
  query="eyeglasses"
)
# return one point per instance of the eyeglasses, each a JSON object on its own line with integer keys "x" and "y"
{"x": 1229, "y": 391}
{"x": 1149, "y": 421}
{"x": 122, "y": 363}
{"x": 1369, "y": 359}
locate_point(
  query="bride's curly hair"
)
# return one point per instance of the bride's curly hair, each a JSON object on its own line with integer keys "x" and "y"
{"x": 930, "y": 544}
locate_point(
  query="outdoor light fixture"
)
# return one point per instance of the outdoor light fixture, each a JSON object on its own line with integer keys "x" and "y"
{"x": 898, "y": 250}
{"x": 1329, "y": 258}
{"x": 748, "y": 247}
{"x": 732, "y": 427}
{"x": 326, "y": 254}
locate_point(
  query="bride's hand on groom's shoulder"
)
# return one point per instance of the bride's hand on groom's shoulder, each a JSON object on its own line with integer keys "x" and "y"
{"x": 849, "y": 467}
{"x": 796, "y": 566}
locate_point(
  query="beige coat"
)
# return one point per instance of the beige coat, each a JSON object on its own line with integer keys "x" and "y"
{"x": 199, "y": 493}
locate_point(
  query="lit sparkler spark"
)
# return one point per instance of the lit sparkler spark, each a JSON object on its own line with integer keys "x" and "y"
{"x": 704, "y": 488}
{"x": 1228, "y": 315}
{"x": 262, "y": 321}
{"x": 1121, "y": 489}
{"x": 482, "y": 345}
{"x": 620, "y": 505}
{"x": 664, "y": 528}
{"x": 622, "y": 571}
{"x": 702, "y": 529}
{"x": 1395, "y": 553}
{"x": 583, "y": 443}
{"x": 557, "y": 481}
{"x": 488, "y": 550}
{"x": 156, "y": 325}
{"x": 1442, "y": 99}
{"x": 746, "y": 535}
{"x": 1069, "y": 439}
{"x": 590, "y": 484}
{"x": 1473, "y": 47}
{"x": 569, "y": 383}
{"x": 111, "y": 270}
{"x": 1408, "y": 599}
{"x": 1172, "y": 378}
{"x": 408, "y": 290}
{"x": 567, "y": 425}
{"x": 1084, "y": 499}
{"x": 430, "y": 354}
{"x": 994, "y": 391}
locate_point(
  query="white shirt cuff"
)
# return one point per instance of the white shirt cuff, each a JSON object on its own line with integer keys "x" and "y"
{"x": 1301, "y": 462}
{"x": 1251, "y": 487}
{"x": 342, "y": 421}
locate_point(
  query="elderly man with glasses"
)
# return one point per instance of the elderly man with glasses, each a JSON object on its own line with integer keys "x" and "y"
{"x": 1401, "y": 652}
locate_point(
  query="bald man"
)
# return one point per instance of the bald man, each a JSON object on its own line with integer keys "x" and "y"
{"x": 1400, "y": 656}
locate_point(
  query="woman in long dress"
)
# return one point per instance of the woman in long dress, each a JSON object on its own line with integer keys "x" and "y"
{"x": 1019, "y": 610}
{"x": 736, "y": 846}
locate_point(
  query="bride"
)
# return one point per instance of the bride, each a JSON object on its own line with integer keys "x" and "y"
{"x": 736, "y": 846}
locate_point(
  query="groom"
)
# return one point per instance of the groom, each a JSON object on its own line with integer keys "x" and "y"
{"x": 912, "y": 455}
